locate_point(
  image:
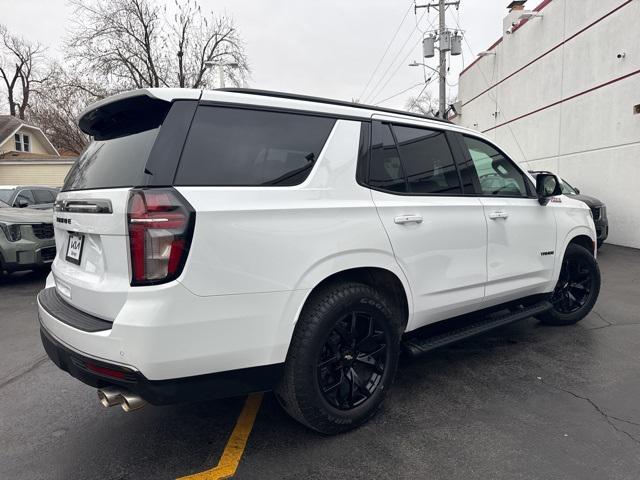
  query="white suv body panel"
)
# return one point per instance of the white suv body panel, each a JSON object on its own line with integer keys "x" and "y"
{"x": 167, "y": 332}
{"x": 265, "y": 239}
{"x": 515, "y": 243}
{"x": 100, "y": 285}
{"x": 443, "y": 256}
{"x": 257, "y": 253}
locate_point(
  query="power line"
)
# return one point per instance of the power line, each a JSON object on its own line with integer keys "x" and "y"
{"x": 371, "y": 96}
{"x": 399, "y": 93}
{"x": 375, "y": 70}
{"x": 419, "y": 95}
{"x": 400, "y": 65}
{"x": 402, "y": 62}
{"x": 495, "y": 99}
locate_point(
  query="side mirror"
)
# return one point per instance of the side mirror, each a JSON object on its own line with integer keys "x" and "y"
{"x": 577, "y": 190}
{"x": 21, "y": 203}
{"x": 547, "y": 186}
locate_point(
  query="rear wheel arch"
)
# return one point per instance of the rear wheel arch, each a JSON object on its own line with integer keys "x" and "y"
{"x": 384, "y": 281}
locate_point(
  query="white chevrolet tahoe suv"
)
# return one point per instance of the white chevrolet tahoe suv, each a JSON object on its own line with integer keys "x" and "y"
{"x": 214, "y": 243}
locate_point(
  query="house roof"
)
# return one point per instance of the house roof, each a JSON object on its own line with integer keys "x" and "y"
{"x": 9, "y": 125}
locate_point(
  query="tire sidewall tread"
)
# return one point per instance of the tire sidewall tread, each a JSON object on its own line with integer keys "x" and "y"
{"x": 553, "y": 317}
{"x": 298, "y": 391}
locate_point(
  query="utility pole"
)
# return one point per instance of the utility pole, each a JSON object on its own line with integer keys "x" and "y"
{"x": 444, "y": 45}
{"x": 443, "y": 59}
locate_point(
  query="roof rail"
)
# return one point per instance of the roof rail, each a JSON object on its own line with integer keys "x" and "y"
{"x": 330, "y": 101}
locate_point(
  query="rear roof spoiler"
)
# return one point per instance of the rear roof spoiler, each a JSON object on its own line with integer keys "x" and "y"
{"x": 130, "y": 112}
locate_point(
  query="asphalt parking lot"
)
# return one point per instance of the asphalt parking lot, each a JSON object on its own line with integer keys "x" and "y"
{"x": 525, "y": 401}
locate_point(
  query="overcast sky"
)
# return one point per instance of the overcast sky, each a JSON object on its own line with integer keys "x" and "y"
{"x": 317, "y": 47}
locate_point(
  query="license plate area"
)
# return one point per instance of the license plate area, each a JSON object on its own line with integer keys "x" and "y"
{"x": 74, "y": 248}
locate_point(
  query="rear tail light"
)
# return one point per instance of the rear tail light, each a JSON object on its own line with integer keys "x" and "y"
{"x": 161, "y": 225}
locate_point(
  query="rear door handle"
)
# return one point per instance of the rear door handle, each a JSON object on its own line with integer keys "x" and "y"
{"x": 499, "y": 214}
{"x": 402, "y": 219}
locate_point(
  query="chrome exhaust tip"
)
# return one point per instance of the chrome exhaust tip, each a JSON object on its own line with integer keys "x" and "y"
{"x": 109, "y": 397}
{"x": 131, "y": 401}
{"x": 112, "y": 396}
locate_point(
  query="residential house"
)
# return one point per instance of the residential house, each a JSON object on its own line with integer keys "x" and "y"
{"x": 28, "y": 157}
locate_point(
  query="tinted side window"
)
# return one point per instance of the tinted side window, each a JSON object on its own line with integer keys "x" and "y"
{"x": 386, "y": 171}
{"x": 234, "y": 146}
{"x": 497, "y": 174}
{"x": 427, "y": 160}
{"x": 43, "y": 196}
{"x": 24, "y": 196}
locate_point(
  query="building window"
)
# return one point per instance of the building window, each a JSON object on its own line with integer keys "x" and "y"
{"x": 23, "y": 142}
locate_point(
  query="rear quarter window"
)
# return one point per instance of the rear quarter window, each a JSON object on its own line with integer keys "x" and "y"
{"x": 242, "y": 147}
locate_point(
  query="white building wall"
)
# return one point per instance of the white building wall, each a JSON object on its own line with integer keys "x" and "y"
{"x": 557, "y": 112}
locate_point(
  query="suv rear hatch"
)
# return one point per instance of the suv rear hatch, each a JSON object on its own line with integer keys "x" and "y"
{"x": 137, "y": 141}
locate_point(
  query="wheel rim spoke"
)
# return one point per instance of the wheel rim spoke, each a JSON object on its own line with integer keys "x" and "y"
{"x": 574, "y": 286}
{"x": 331, "y": 361}
{"x": 352, "y": 360}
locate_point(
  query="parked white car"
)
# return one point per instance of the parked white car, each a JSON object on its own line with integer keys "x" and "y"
{"x": 214, "y": 243}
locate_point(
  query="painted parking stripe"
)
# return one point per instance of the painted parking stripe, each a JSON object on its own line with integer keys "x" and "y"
{"x": 234, "y": 449}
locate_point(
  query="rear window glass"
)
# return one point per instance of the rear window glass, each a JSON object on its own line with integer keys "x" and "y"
{"x": 234, "y": 147}
{"x": 118, "y": 162}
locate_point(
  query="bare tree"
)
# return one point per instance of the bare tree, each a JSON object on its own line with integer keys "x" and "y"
{"x": 130, "y": 44}
{"x": 197, "y": 40}
{"x": 20, "y": 66}
{"x": 426, "y": 104}
{"x": 58, "y": 104}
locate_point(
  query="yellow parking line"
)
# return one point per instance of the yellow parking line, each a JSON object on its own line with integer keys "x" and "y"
{"x": 234, "y": 449}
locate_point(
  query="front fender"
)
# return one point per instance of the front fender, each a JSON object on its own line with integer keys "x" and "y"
{"x": 564, "y": 243}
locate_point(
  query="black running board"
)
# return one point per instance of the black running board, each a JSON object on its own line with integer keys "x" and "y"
{"x": 419, "y": 345}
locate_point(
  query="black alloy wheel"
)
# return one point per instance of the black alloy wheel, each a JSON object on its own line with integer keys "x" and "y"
{"x": 352, "y": 360}
{"x": 577, "y": 289}
{"x": 342, "y": 358}
{"x": 574, "y": 285}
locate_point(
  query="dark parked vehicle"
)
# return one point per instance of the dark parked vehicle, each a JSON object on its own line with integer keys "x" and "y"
{"x": 22, "y": 196}
{"x": 26, "y": 239}
{"x": 598, "y": 208}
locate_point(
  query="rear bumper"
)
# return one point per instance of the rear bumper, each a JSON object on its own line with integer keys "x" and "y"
{"x": 173, "y": 345}
{"x": 162, "y": 392}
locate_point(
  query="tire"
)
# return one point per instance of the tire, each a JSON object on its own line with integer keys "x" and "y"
{"x": 600, "y": 243}
{"x": 577, "y": 289}
{"x": 330, "y": 385}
